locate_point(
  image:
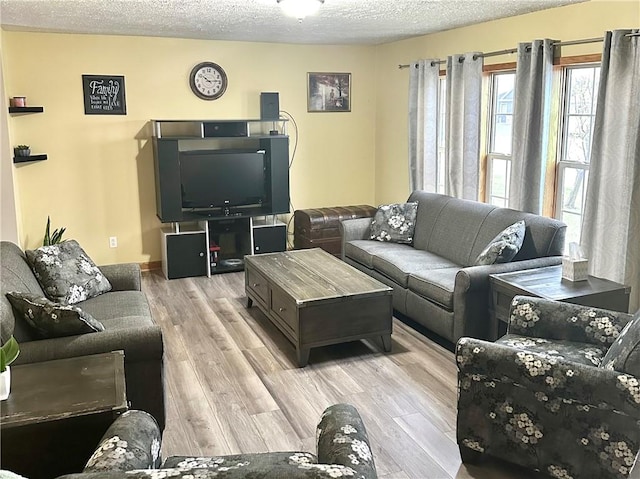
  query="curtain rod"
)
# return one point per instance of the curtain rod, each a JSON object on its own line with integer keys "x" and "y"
{"x": 514, "y": 50}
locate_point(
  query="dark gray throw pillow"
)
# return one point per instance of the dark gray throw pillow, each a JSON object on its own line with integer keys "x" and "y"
{"x": 52, "y": 320}
{"x": 395, "y": 223}
{"x": 624, "y": 353}
{"x": 65, "y": 272}
{"x": 503, "y": 247}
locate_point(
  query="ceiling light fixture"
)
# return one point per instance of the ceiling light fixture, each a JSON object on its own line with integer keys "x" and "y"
{"x": 300, "y": 8}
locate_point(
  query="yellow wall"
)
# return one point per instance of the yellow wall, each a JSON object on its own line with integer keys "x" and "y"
{"x": 583, "y": 20}
{"x": 98, "y": 180}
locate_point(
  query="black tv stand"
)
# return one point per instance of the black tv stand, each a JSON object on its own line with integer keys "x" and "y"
{"x": 218, "y": 245}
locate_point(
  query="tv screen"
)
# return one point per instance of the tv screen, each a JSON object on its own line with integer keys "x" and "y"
{"x": 212, "y": 179}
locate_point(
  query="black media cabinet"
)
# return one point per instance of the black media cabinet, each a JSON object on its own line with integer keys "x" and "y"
{"x": 201, "y": 243}
{"x": 218, "y": 245}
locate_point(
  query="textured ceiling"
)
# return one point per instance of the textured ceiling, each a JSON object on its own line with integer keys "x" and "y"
{"x": 338, "y": 21}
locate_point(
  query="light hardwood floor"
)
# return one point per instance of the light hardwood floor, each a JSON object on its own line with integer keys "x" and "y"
{"x": 232, "y": 385}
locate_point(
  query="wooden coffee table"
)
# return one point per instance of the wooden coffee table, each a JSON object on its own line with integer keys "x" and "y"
{"x": 315, "y": 299}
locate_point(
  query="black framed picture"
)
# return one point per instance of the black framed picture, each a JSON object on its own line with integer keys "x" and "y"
{"x": 104, "y": 95}
{"x": 328, "y": 92}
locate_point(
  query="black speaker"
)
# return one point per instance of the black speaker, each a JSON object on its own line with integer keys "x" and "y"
{"x": 269, "y": 106}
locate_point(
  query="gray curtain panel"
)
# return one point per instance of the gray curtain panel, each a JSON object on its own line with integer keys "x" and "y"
{"x": 531, "y": 120}
{"x": 423, "y": 122}
{"x": 464, "y": 90}
{"x": 611, "y": 222}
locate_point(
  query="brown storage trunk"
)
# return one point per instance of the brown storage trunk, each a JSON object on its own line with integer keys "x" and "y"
{"x": 318, "y": 227}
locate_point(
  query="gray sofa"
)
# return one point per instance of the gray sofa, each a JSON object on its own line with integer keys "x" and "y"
{"x": 434, "y": 281}
{"x": 123, "y": 311}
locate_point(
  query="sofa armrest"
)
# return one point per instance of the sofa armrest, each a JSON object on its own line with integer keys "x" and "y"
{"x": 471, "y": 295}
{"x": 123, "y": 277}
{"x": 131, "y": 442}
{"x": 541, "y": 374}
{"x": 342, "y": 439}
{"x": 477, "y": 277}
{"x": 140, "y": 343}
{"x": 355, "y": 229}
{"x": 544, "y": 318}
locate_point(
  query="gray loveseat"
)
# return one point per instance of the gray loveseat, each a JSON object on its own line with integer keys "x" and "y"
{"x": 124, "y": 312}
{"x": 434, "y": 280}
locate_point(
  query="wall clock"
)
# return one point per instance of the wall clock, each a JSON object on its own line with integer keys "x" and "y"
{"x": 208, "y": 81}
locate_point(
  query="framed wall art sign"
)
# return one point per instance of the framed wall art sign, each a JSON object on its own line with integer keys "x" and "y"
{"x": 328, "y": 92}
{"x": 104, "y": 95}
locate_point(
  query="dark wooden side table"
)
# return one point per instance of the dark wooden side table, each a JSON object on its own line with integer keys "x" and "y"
{"x": 548, "y": 283}
{"x": 58, "y": 411}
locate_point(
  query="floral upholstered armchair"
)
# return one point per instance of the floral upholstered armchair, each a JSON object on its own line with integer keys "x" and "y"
{"x": 559, "y": 393}
{"x": 130, "y": 449}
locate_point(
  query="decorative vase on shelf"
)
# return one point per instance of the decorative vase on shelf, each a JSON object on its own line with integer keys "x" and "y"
{"x": 5, "y": 383}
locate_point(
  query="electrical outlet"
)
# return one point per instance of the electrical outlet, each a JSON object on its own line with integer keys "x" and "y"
{"x": 113, "y": 242}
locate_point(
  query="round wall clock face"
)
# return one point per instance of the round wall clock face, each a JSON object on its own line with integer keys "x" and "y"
{"x": 208, "y": 80}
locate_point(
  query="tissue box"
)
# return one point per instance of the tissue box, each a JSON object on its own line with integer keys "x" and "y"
{"x": 575, "y": 269}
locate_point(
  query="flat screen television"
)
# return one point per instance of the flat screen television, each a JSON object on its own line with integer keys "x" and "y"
{"x": 218, "y": 179}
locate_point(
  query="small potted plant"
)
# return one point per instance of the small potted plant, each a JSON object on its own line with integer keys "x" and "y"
{"x": 8, "y": 353}
{"x": 52, "y": 238}
{"x": 22, "y": 150}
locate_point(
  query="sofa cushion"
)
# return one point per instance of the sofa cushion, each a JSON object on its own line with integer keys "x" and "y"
{"x": 455, "y": 231}
{"x": 544, "y": 236}
{"x": 261, "y": 460}
{"x": 436, "y": 285}
{"x": 117, "y": 304}
{"x": 363, "y": 251}
{"x": 52, "y": 320}
{"x": 430, "y": 207}
{"x": 583, "y": 353}
{"x": 504, "y": 246}
{"x": 394, "y": 223}
{"x": 624, "y": 353}
{"x": 66, "y": 272}
{"x": 399, "y": 264}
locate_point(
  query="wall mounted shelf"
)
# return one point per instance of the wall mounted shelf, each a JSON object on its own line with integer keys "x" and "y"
{"x": 25, "y": 159}
{"x": 21, "y": 110}
{"x": 26, "y": 109}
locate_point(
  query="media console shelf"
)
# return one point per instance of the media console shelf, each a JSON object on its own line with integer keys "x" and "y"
{"x": 220, "y": 184}
{"x": 218, "y": 245}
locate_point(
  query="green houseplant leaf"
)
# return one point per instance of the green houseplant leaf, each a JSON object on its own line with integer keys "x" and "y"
{"x": 52, "y": 238}
{"x": 8, "y": 353}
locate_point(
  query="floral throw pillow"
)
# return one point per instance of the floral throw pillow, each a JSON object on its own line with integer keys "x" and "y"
{"x": 65, "y": 272}
{"x": 52, "y": 320}
{"x": 395, "y": 223}
{"x": 624, "y": 353}
{"x": 504, "y": 246}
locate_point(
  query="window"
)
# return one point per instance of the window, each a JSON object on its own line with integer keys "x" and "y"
{"x": 501, "y": 122}
{"x": 442, "y": 109}
{"x": 578, "y": 99}
{"x": 578, "y": 117}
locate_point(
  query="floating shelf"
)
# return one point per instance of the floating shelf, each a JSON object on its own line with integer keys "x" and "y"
{"x": 24, "y": 159}
{"x": 26, "y": 109}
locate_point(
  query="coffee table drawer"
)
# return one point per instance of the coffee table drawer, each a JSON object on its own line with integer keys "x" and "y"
{"x": 284, "y": 307}
{"x": 258, "y": 284}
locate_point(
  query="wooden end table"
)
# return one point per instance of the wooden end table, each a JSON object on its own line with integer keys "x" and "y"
{"x": 58, "y": 411}
{"x": 548, "y": 283}
{"x": 316, "y": 299}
